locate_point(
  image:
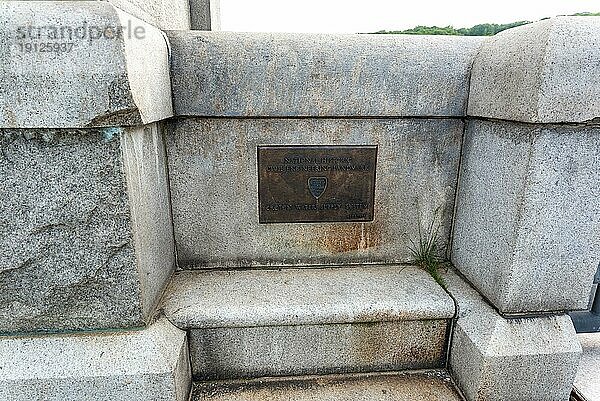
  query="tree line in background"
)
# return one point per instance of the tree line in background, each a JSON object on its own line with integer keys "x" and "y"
{"x": 477, "y": 30}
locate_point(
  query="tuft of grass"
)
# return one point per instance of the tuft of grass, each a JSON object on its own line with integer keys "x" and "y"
{"x": 428, "y": 254}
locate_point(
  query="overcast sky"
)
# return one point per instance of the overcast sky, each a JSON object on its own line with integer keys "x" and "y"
{"x": 352, "y": 16}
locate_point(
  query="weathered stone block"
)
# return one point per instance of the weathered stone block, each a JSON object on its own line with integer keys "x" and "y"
{"x": 71, "y": 65}
{"x": 493, "y": 358}
{"x": 213, "y": 177}
{"x": 281, "y": 75}
{"x": 527, "y": 225}
{"x": 544, "y": 72}
{"x": 150, "y": 364}
{"x": 310, "y": 321}
{"x": 238, "y": 352}
{"x": 85, "y": 230}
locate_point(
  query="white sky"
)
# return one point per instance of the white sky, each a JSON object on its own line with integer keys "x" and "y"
{"x": 353, "y": 16}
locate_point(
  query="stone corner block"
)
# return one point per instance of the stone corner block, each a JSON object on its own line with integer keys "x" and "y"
{"x": 149, "y": 364}
{"x": 86, "y": 238}
{"x": 527, "y": 223}
{"x": 545, "y": 72}
{"x": 80, "y": 64}
{"x": 493, "y": 358}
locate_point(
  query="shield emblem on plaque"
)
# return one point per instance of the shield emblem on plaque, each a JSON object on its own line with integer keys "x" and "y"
{"x": 317, "y": 185}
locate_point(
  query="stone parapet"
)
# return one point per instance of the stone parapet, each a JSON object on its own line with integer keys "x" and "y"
{"x": 228, "y": 74}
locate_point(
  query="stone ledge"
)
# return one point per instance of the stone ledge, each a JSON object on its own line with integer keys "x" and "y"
{"x": 258, "y": 323}
{"x": 283, "y": 75}
{"x": 410, "y": 386}
{"x": 95, "y": 77}
{"x": 150, "y": 364}
{"x": 546, "y": 72}
{"x": 216, "y": 299}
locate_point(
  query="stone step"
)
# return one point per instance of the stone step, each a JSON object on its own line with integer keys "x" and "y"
{"x": 432, "y": 385}
{"x": 256, "y": 323}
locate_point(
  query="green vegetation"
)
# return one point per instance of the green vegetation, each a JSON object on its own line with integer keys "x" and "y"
{"x": 477, "y": 30}
{"x": 428, "y": 255}
{"x": 586, "y": 15}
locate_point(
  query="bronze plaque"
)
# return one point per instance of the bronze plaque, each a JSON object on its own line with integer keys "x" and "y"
{"x": 306, "y": 184}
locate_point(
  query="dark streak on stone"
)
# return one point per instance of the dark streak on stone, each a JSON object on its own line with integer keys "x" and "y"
{"x": 23, "y": 265}
{"x": 120, "y": 117}
{"x": 47, "y": 227}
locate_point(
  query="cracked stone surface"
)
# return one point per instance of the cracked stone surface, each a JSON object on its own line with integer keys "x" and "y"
{"x": 68, "y": 256}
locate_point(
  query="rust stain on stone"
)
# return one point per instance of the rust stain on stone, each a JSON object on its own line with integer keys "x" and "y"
{"x": 370, "y": 344}
{"x": 339, "y": 238}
